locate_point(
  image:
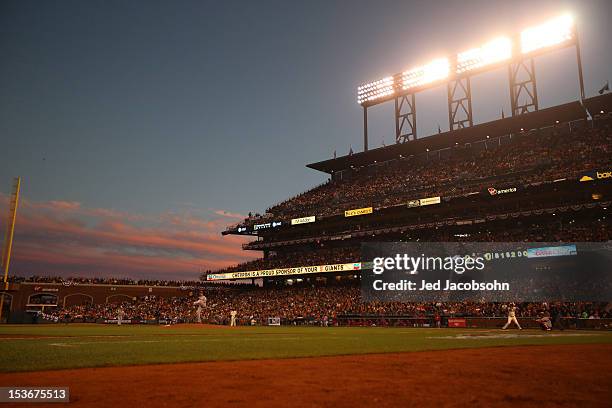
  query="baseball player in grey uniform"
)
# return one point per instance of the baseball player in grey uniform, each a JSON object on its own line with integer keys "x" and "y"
{"x": 545, "y": 322}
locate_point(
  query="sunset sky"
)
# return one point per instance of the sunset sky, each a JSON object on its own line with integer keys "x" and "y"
{"x": 142, "y": 128}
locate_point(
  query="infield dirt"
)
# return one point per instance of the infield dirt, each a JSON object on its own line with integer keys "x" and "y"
{"x": 542, "y": 376}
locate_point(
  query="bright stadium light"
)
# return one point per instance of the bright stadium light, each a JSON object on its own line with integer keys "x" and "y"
{"x": 552, "y": 32}
{"x": 499, "y": 49}
{"x": 375, "y": 90}
{"x": 436, "y": 70}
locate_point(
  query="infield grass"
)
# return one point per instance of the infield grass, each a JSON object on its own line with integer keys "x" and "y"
{"x": 48, "y": 347}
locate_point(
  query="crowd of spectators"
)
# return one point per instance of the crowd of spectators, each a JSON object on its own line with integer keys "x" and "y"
{"x": 148, "y": 307}
{"x": 100, "y": 281}
{"x": 326, "y": 303}
{"x": 529, "y": 157}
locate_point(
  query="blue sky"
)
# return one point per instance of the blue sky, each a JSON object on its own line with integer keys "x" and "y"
{"x": 152, "y": 108}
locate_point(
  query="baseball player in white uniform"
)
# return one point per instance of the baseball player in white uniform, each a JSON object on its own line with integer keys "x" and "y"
{"x": 200, "y": 303}
{"x": 512, "y": 317}
{"x": 120, "y": 314}
{"x": 233, "y": 314}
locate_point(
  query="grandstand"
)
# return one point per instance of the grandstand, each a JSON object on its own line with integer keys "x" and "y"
{"x": 515, "y": 179}
{"x": 540, "y": 177}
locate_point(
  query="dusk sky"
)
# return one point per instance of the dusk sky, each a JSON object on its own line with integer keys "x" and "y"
{"x": 142, "y": 128}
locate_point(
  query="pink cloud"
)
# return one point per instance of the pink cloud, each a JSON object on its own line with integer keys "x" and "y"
{"x": 65, "y": 238}
{"x": 54, "y": 205}
{"x": 65, "y": 205}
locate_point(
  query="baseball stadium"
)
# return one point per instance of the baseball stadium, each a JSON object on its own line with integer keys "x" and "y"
{"x": 308, "y": 320}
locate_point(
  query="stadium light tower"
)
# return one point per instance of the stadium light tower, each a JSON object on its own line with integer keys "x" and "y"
{"x": 459, "y": 89}
{"x": 517, "y": 52}
{"x": 535, "y": 41}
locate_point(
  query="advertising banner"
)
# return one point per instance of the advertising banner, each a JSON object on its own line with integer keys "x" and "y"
{"x": 414, "y": 203}
{"x": 457, "y": 322}
{"x": 300, "y": 270}
{"x": 424, "y": 201}
{"x": 358, "y": 211}
{"x": 303, "y": 220}
{"x": 562, "y": 250}
{"x": 430, "y": 201}
{"x": 499, "y": 191}
{"x": 595, "y": 175}
{"x": 266, "y": 225}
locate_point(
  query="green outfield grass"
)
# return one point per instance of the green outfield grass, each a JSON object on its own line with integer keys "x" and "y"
{"x": 74, "y": 346}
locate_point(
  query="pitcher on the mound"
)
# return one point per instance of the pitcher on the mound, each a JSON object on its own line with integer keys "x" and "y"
{"x": 200, "y": 303}
{"x": 512, "y": 317}
{"x": 120, "y": 314}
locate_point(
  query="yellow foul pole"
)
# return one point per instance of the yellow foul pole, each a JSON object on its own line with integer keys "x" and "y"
{"x": 8, "y": 241}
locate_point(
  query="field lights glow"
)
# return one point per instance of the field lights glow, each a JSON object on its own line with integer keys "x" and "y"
{"x": 499, "y": 49}
{"x": 552, "y": 32}
{"x": 375, "y": 90}
{"x": 434, "y": 71}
